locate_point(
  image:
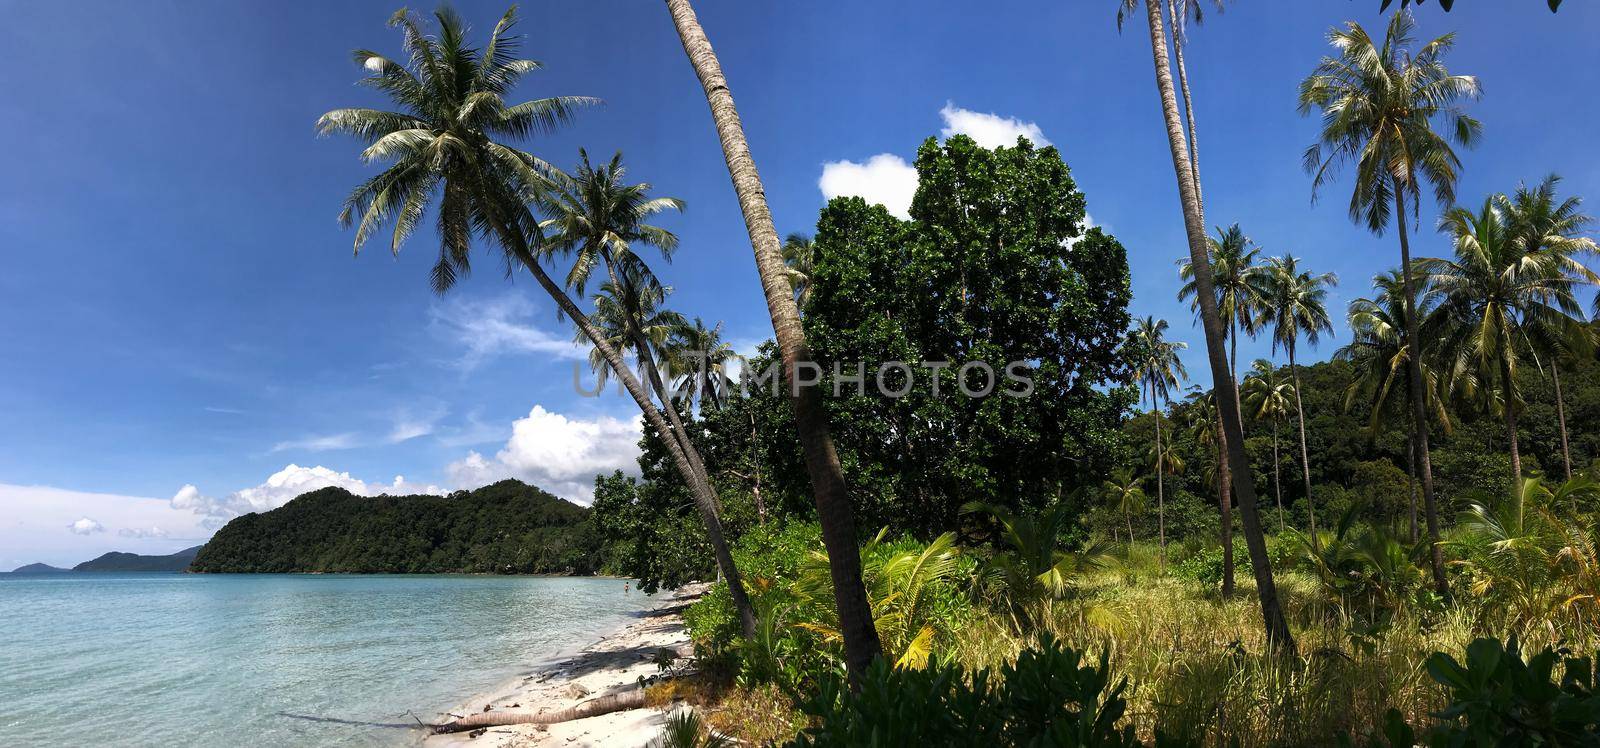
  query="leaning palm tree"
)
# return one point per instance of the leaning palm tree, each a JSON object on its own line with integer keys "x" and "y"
{"x": 1159, "y": 370}
{"x": 1296, "y": 307}
{"x": 1239, "y": 284}
{"x": 799, "y": 258}
{"x": 444, "y": 145}
{"x": 1194, "y": 221}
{"x": 1379, "y": 103}
{"x": 700, "y": 359}
{"x": 834, "y": 511}
{"x": 1125, "y": 494}
{"x": 598, "y": 219}
{"x": 1496, "y": 295}
{"x": 1543, "y": 226}
{"x": 1267, "y": 396}
{"x": 1205, "y": 428}
{"x": 631, "y": 317}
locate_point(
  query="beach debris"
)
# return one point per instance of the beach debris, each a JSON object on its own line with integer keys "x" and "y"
{"x": 575, "y": 691}
{"x": 617, "y": 702}
{"x": 475, "y": 734}
{"x": 488, "y": 707}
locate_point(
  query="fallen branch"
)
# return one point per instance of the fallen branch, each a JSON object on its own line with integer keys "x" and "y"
{"x": 617, "y": 702}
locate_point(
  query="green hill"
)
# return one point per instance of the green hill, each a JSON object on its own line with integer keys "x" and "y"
{"x": 119, "y": 561}
{"x": 38, "y": 569}
{"x": 504, "y": 528}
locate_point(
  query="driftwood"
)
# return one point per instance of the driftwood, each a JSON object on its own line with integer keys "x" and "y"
{"x": 617, "y": 702}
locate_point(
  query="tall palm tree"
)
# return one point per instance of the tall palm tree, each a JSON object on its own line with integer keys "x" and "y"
{"x": 1125, "y": 493}
{"x": 444, "y": 144}
{"x": 1296, "y": 306}
{"x": 1379, "y": 103}
{"x": 799, "y": 257}
{"x": 1497, "y": 295}
{"x": 700, "y": 359}
{"x": 1205, "y": 428}
{"x": 597, "y": 218}
{"x": 1276, "y": 626}
{"x": 1238, "y": 283}
{"x": 1159, "y": 371}
{"x": 1269, "y": 397}
{"x": 1541, "y": 225}
{"x": 1181, "y": 12}
{"x": 1378, "y": 352}
{"x": 834, "y": 511}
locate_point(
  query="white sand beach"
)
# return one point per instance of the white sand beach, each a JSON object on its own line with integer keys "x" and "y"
{"x": 613, "y": 664}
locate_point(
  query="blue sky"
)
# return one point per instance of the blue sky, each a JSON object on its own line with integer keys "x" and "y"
{"x": 183, "y": 322}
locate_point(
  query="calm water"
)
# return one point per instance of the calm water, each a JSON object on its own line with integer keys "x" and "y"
{"x": 223, "y": 660}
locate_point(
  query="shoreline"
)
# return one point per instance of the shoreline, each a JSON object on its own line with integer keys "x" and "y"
{"x": 611, "y": 663}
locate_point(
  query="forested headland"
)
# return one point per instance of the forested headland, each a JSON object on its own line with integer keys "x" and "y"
{"x": 502, "y": 528}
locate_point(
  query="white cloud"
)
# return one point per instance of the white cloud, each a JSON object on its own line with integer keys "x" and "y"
{"x": 293, "y": 480}
{"x": 32, "y": 519}
{"x": 493, "y": 327}
{"x": 562, "y": 455}
{"x": 85, "y": 526}
{"x": 988, "y": 129}
{"x": 885, "y": 179}
{"x": 142, "y": 533}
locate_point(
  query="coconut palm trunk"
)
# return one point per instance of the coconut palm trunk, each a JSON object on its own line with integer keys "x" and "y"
{"x": 1508, "y": 393}
{"x": 1161, "y": 489}
{"x": 1277, "y": 628}
{"x": 1561, "y": 417}
{"x": 704, "y": 497}
{"x": 1188, "y": 104}
{"x": 1277, "y": 483}
{"x": 1224, "y": 502}
{"x": 1411, "y": 479}
{"x": 1305, "y": 460}
{"x": 1418, "y": 401}
{"x": 834, "y": 511}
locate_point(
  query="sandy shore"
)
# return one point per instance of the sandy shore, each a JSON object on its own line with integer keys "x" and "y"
{"x": 614, "y": 663}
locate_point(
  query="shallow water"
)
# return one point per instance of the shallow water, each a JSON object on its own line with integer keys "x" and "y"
{"x": 274, "y": 659}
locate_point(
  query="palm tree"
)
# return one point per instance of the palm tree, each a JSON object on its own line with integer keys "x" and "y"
{"x": 1277, "y": 627}
{"x": 597, "y": 218}
{"x": 834, "y": 511}
{"x": 700, "y": 359}
{"x": 1267, "y": 396}
{"x": 1159, "y": 370}
{"x": 1238, "y": 281}
{"x": 1542, "y": 226}
{"x": 1379, "y": 104}
{"x": 1296, "y": 306}
{"x": 1033, "y": 567}
{"x": 799, "y": 257}
{"x": 1205, "y": 428}
{"x": 1495, "y": 295}
{"x": 1125, "y": 493}
{"x": 627, "y": 314}
{"x": 1181, "y": 12}
{"x": 444, "y": 143}
{"x": 1379, "y": 354}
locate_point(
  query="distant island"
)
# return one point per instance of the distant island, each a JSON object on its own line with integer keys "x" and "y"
{"x": 503, "y": 528}
{"x": 118, "y": 561}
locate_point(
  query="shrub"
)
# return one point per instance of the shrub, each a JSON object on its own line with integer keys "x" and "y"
{"x": 1049, "y": 696}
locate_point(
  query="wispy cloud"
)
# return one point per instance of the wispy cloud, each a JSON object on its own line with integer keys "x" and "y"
{"x": 500, "y": 326}
{"x": 318, "y": 443}
{"x": 224, "y": 411}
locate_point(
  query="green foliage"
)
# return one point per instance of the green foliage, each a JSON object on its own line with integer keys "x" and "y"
{"x": 503, "y": 528}
{"x": 1049, "y": 696}
{"x": 1497, "y": 698}
{"x": 995, "y": 266}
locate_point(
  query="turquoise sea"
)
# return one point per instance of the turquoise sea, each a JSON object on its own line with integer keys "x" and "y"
{"x": 274, "y": 659}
